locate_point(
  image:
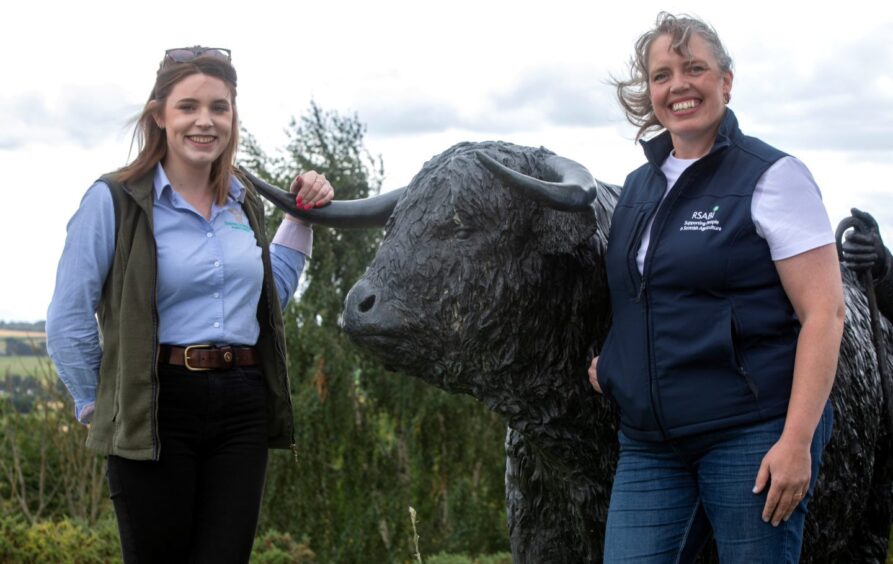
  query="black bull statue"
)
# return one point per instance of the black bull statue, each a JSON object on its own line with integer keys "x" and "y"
{"x": 491, "y": 283}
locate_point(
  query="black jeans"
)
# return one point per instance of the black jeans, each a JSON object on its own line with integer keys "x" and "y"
{"x": 200, "y": 501}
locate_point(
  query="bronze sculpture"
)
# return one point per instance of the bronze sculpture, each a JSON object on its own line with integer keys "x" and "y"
{"x": 490, "y": 283}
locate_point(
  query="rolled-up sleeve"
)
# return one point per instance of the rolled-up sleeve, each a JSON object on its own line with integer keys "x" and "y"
{"x": 291, "y": 246}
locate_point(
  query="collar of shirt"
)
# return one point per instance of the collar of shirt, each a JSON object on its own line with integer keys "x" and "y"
{"x": 163, "y": 185}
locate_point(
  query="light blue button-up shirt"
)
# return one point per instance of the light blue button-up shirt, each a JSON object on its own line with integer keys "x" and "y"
{"x": 209, "y": 278}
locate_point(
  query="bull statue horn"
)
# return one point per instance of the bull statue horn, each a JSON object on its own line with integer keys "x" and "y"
{"x": 341, "y": 214}
{"x": 573, "y": 190}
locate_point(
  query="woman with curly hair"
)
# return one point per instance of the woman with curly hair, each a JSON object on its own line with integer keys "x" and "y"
{"x": 727, "y": 318}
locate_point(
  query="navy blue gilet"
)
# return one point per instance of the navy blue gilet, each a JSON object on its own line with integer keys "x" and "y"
{"x": 705, "y": 338}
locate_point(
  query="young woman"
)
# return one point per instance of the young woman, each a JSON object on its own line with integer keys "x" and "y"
{"x": 188, "y": 388}
{"x": 727, "y": 319}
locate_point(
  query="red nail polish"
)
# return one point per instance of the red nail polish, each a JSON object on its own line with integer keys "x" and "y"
{"x": 299, "y": 202}
{"x": 319, "y": 204}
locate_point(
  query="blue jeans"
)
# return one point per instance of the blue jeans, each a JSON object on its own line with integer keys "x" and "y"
{"x": 667, "y": 497}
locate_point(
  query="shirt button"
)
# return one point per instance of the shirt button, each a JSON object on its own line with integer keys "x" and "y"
{"x": 210, "y": 234}
{"x": 216, "y": 263}
{"x": 216, "y": 324}
{"x": 216, "y": 294}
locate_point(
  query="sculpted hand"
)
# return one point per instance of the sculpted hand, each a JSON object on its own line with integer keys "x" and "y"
{"x": 593, "y": 376}
{"x": 312, "y": 190}
{"x": 786, "y": 468}
{"x": 863, "y": 248}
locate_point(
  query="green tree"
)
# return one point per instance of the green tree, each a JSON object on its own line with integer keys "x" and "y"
{"x": 45, "y": 471}
{"x": 370, "y": 443}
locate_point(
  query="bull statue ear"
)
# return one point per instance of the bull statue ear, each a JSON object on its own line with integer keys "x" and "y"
{"x": 558, "y": 232}
{"x": 573, "y": 206}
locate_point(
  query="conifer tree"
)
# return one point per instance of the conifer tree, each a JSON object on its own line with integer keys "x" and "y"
{"x": 370, "y": 442}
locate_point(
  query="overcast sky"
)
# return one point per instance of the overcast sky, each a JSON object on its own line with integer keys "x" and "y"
{"x": 815, "y": 81}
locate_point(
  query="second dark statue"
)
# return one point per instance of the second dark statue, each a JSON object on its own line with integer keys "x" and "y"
{"x": 491, "y": 283}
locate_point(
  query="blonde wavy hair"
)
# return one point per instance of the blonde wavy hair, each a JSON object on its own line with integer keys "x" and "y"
{"x": 634, "y": 94}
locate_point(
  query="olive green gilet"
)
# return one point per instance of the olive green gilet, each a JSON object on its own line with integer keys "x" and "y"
{"x": 125, "y": 421}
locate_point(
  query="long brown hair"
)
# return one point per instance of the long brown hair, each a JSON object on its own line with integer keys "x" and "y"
{"x": 151, "y": 139}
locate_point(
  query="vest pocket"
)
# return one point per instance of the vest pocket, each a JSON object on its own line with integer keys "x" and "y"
{"x": 635, "y": 277}
{"x": 740, "y": 364}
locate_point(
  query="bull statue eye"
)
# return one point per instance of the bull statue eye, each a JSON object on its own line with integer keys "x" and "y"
{"x": 463, "y": 232}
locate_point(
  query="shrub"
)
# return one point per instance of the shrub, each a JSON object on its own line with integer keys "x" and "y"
{"x": 46, "y": 473}
{"x": 74, "y": 542}
{"x": 63, "y": 542}
{"x": 273, "y": 547}
{"x": 446, "y": 558}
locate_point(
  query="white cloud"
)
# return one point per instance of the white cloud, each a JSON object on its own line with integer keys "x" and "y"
{"x": 82, "y": 115}
{"x": 423, "y": 76}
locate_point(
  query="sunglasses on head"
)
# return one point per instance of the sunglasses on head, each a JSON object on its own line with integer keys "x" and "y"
{"x": 186, "y": 54}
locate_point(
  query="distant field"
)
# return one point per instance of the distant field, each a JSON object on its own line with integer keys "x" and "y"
{"x": 23, "y": 365}
{"x": 14, "y": 342}
{"x": 37, "y": 335}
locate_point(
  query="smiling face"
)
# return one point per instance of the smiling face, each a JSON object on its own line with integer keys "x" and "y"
{"x": 198, "y": 121}
{"x": 687, "y": 93}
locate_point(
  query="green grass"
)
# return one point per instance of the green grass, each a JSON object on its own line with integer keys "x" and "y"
{"x": 23, "y": 365}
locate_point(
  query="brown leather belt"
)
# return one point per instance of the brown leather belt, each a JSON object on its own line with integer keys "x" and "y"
{"x": 199, "y": 358}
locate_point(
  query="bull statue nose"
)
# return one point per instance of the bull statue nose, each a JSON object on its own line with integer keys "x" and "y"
{"x": 361, "y": 297}
{"x": 361, "y": 308}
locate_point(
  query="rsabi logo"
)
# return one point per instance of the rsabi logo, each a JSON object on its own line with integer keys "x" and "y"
{"x": 703, "y": 215}
{"x": 702, "y": 221}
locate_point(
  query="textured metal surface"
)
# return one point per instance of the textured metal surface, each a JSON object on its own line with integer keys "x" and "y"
{"x": 479, "y": 290}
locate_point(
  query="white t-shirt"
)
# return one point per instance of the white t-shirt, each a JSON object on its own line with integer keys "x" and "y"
{"x": 786, "y": 208}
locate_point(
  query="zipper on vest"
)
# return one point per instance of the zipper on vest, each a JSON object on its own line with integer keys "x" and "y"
{"x": 641, "y": 291}
{"x": 156, "y": 440}
{"x": 739, "y": 359}
{"x": 153, "y": 424}
{"x": 652, "y": 380}
{"x": 281, "y": 354}
{"x": 660, "y": 214}
{"x": 632, "y": 266}
{"x": 269, "y": 289}
{"x": 748, "y": 380}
